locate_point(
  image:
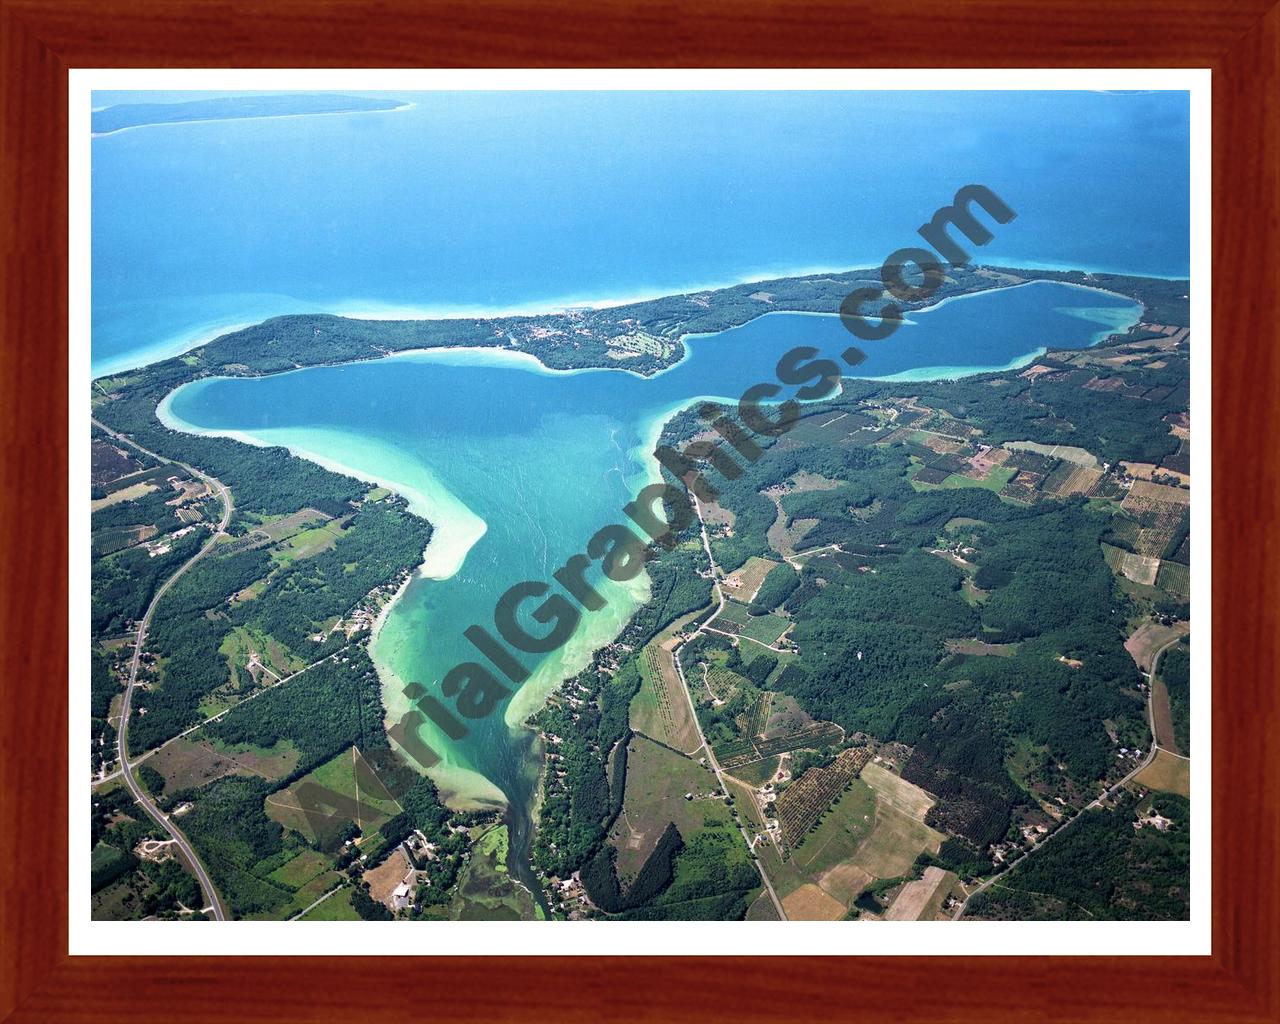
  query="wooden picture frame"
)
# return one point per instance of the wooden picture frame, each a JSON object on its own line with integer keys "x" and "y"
{"x": 42, "y": 39}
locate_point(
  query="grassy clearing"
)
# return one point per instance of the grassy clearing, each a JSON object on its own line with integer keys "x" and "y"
{"x": 993, "y": 481}
{"x": 130, "y": 493}
{"x": 981, "y": 649}
{"x": 336, "y": 908}
{"x": 1168, "y": 773}
{"x": 841, "y": 830}
{"x": 1149, "y": 638}
{"x": 657, "y": 781}
{"x": 1162, "y": 716}
{"x": 302, "y": 869}
{"x": 897, "y": 792}
{"x": 810, "y": 903}
{"x": 744, "y": 582}
{"x": 365, "y": 801}
{"x": 764, "y": 628}
{"x": 660, "y": 708}
{"x": 921, "y": 900}
{"x": 306, "y": 543}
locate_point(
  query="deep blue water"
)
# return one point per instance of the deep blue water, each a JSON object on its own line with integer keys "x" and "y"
{"x": 487, "y": 200}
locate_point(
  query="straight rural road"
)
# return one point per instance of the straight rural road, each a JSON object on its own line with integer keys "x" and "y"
{"x": 212, "y": 899}
{"x": 1097, "y": 801}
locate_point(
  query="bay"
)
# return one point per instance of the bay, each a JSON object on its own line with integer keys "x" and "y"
{"x": 518, "y": 466}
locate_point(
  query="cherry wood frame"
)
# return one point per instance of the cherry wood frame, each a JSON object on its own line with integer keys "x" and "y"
{"x": 41, "y": 39}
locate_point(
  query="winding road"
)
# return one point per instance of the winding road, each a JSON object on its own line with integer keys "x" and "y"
{"x": 212, "y": 901}
{"x": 693, "y": 711}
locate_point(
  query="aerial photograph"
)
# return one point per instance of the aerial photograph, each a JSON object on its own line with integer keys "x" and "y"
{"x": 606, "y": 505}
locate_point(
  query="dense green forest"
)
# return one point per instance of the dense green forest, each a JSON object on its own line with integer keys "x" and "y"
{"x": 1102, "y": 868}
{"x": 1175, "y": 670}
{"x": 124, "y": 886}
{"x": 330, "y": 707}
{"x": 191, "y": 625}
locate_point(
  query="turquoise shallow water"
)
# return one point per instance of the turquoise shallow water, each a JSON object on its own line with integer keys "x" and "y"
{"x": 518, "y": 466}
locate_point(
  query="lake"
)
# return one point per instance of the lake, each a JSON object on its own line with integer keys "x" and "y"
{"x": 518, "y": 465}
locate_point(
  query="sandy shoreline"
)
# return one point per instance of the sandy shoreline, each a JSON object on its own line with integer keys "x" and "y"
{"x": 360, "y": 309}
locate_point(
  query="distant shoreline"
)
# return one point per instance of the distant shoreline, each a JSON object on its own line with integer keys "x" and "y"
{"x": 242, "y": 117}
{"x": 207, "y": 333}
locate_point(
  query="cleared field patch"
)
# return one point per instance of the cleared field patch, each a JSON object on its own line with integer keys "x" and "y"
{"x": 763, "y": 909}
{"x": 809, "y": 797}
{"x": 897, "y": 792}
{"x": 1143, "y": 494}
{"x": 342, "y": 790}
{"x": 302, "y": 869}
{"x": 784, "y": 538}
{"x": 785, "y": 716}
{"x": 744, "y": 582}
{"x": 335, "y": 908}
{"x": 130, "y": 493}
{"x": 895, "y": 843}
{"x": 994, "y": 479}
{"x": 306, "y": 543}
{"x": 1168, "y": 773}
{"x": 920, "y": 900}
{"x": 108, "y": 462}
{"x": 192, "y": 761}
{"x": 294, "y": 522}
{"x": 980, "y": 648}
{"x": 1138, "y": 568}
{"x": 963, "y": 522}
{"x": 715, "y": 514}
{"x": 737, "y": 621}
{"x": 809, "y": 903}
{"x": 1070, "y": 479}
{"x": 1162, "y": 716}
{"x": 1067, "y": 453}
{"x": 660, "y": 708}
{"x": 654, "y": 796}
{"x": 829, "y": 854}
{"x": 757, "y": 773}
{"x": 384, "y": 879}
{"x": 1149, "y": 638}
{"x": 188, "y": 763}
